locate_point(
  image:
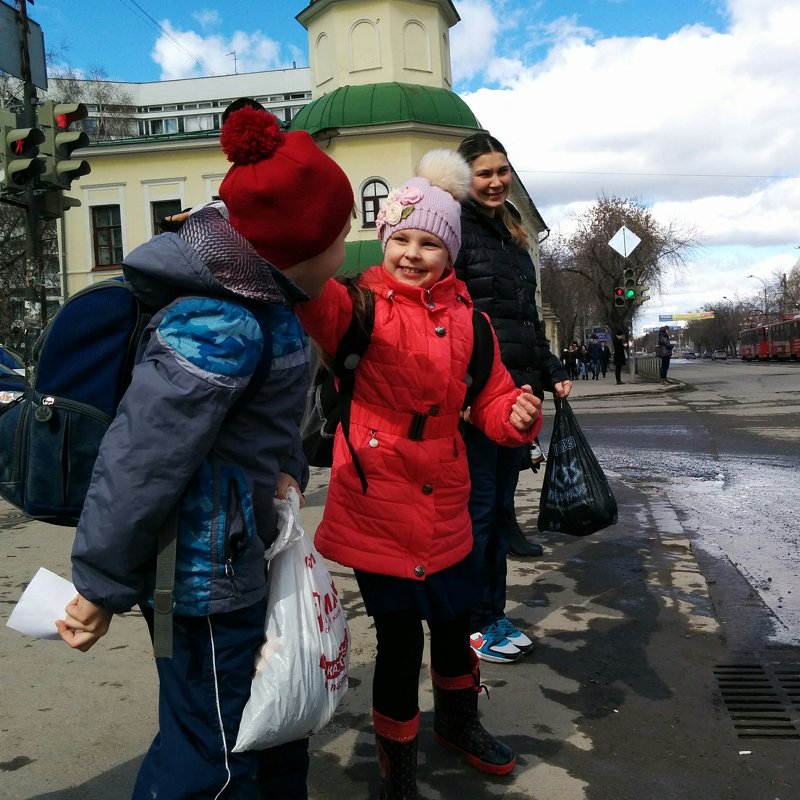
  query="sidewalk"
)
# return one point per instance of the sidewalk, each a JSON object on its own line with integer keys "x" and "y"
{"x": 607, "y": 387}
{"x": 617, "y": 701}
{"x": 604, "y": 611}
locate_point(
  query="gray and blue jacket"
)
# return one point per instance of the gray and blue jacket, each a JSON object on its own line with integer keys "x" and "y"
{"x": 176, "y": 441}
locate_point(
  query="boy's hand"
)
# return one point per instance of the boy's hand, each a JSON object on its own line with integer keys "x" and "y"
{"x": 525, "y": 410}
{"x": 84, "y": 625}
{"x": 285, "y": 482}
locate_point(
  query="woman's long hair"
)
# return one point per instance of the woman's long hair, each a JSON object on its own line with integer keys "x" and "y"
{"x": 479, "y": 144}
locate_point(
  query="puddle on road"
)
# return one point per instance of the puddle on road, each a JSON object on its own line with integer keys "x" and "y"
{"x": 739, "y": 508}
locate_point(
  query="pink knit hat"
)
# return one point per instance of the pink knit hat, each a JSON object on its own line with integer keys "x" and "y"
{"x": 430, "y": 202}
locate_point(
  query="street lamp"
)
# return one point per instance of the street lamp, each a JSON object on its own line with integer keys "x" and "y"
{"x": 765, "y": 294}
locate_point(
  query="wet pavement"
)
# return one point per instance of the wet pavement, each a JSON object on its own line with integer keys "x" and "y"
{"x": 622, "y": 698}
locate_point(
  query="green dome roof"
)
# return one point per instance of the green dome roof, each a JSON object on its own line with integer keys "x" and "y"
{"x": 383, "y": 103}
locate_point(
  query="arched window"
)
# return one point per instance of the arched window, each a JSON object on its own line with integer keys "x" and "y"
{"x": 375, "y": 191}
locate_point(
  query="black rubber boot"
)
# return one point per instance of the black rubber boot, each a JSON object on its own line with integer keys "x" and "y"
{"x": 520, "y": 546}
{"x": 456, "y": 724}
{"x": 397, "y": 756}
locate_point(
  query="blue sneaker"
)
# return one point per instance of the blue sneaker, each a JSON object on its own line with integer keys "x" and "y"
{"x": 514, "y": 635}
{"x": 492, "y": 645}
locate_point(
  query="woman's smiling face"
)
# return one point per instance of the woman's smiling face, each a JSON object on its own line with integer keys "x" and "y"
{"x": 491, "y": 179}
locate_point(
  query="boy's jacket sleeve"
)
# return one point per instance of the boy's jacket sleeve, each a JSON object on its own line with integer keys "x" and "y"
{"x": 196, "y": 364}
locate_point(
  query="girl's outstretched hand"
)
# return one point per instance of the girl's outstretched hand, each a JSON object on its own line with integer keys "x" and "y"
{"x": 525, "y": 410}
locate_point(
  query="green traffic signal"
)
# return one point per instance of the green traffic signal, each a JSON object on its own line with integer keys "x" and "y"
{"x": 61, "y": 169}
{"x": 20, "y": 148}
{"x": 629, "y": 281}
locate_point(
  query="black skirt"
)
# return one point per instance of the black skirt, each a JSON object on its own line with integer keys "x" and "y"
{"x": 439, "y": 598}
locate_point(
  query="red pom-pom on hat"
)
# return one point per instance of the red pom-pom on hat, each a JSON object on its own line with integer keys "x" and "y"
{"x": 250, "y": 135}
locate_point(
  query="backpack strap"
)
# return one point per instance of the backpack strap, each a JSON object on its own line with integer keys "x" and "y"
{"x": 164, "y": 591}
{"x": 480, "y": 362}
{"x": 351, "y": 348}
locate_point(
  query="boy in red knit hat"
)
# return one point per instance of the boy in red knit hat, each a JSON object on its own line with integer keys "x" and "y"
{"x": 209, "y": 429}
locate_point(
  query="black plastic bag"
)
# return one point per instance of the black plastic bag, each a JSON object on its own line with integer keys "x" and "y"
{"x": 576, "y": 498}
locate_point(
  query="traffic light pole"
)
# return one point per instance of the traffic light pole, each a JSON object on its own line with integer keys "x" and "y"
{"x": 34, "y": 268}
{"x": 632, "y": 352}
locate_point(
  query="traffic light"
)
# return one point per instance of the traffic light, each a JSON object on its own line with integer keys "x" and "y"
{"x": 629, "y": 283}
{"x": 20, "y": 148}
{"x": 619, "y": 296}
{"x": 641, "y": 293}
{"x": 61, "y": 169}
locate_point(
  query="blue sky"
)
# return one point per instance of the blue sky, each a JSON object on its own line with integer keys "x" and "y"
{"x": 120, "y": 35}
{"x": 688, "y": 107}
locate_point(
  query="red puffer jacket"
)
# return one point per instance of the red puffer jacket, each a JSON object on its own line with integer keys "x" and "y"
{"x": 413, "y": 520}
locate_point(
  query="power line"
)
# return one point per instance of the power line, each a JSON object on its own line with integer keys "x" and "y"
{"x": 153, "y": 23}
{"x": 650, "y": 174}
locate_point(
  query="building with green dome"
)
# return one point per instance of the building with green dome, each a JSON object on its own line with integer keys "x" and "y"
{"x": 382, "y": 96}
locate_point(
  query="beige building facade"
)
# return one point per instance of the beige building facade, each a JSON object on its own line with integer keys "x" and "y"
{"x": 175, "y": 162}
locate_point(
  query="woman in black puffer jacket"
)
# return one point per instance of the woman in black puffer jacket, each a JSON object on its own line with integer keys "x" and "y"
{"x": 497, "y": 268}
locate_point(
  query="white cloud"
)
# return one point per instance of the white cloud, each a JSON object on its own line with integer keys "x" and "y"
{"x": 474, "y": 46}
{"x": 703, "y": 126}
{"x": 185, "y": 54}
{"x": 208, "y": 18}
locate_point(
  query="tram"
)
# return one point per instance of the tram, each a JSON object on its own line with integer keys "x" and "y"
{"x": 776, "y": 340}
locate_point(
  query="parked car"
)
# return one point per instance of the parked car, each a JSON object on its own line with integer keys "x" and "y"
{"x": 706, "y": 354}
{"x": 12, "y": 385}
{"x": 690, "y": 354}
{"x": 719, "y": 355}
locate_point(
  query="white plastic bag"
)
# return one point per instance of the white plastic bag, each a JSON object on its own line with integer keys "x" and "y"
{"x": 301, "y": 669}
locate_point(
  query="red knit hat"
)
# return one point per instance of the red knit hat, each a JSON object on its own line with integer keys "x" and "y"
{"x": 283, "y": 194}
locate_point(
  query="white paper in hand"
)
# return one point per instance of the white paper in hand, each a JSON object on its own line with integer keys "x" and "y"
{"x": 41, "y": 604}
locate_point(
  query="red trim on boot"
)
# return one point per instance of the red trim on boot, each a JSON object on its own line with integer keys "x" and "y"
{"x": 476, "y": 761}
{"x": 394, "y": 730}
{"x": 471, "y": 680}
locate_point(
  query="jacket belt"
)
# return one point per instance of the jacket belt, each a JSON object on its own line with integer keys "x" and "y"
{"x": 414, "y": 426}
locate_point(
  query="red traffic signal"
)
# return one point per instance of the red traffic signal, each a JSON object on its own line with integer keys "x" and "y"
{"x": 61, "y": 168}
{"x": 24, "y": 142}
{"x": 66, "y": 118}
{"x": 19, "y": 148}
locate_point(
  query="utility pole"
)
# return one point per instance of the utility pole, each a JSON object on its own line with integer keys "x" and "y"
{"x": 34, "y": 268}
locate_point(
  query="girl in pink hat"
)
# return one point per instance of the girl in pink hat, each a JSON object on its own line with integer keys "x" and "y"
{"x": 397, "y": 508}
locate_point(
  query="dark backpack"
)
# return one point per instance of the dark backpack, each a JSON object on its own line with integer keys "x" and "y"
{"x": 50, "y": 437}
{"x": 327, "y": 408}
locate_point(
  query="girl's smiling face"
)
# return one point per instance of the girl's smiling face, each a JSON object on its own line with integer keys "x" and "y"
{"x": 415, "y": 257}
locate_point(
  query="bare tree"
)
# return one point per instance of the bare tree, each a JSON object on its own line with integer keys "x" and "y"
{"x": 22, "y": 294}
{"x": 791, "y": 289}
{"x": 110, "y": 104}
{"x": 586, "y": 254}
{"x": 569, "y": 296}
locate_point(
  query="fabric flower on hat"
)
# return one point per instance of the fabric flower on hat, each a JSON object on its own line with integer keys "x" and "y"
{"x": 398, "y": 206}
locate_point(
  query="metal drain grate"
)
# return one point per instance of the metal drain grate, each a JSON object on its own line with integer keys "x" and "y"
{"x": 764, "y": 702}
